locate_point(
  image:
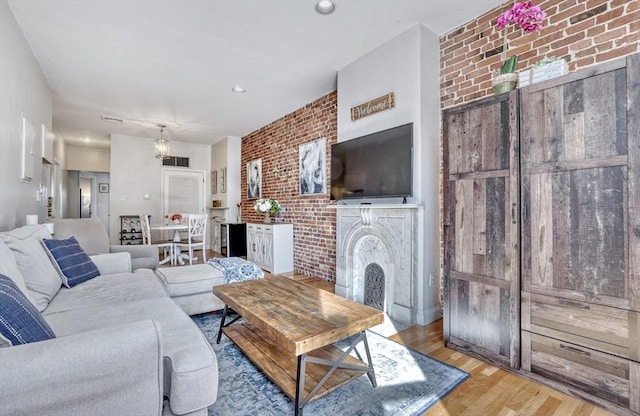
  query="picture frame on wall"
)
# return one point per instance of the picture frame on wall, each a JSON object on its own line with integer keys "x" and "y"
{"x": 103, "y": 188}
{"x": 214, "y": 182}
{"x": 223, "y": 180}
{"x": 254, "y": 179}
{"x": 312, "y": 167}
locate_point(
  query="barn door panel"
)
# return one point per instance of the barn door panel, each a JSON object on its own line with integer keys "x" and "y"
{"x": 482, "y": 228}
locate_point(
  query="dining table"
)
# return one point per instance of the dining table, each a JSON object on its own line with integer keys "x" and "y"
{"x": 175, "y": 253}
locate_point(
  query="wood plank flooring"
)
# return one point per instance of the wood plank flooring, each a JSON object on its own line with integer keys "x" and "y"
{"x": 489, "y": 391}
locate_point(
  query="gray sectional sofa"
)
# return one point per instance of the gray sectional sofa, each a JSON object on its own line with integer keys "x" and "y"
{"x": 122, "y": 346}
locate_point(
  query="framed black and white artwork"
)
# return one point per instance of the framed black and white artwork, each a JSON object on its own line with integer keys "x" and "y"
{"x": 254, "y": 179}
{"x": 312, "y": 167}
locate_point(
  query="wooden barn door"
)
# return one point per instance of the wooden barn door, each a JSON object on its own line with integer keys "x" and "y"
{"x": 481, "y": 228}
{"x": 580, "y": 146}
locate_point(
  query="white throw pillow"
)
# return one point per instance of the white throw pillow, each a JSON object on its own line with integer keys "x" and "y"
{"x": 40, "y": 277}
{"x": 8, "y": 267}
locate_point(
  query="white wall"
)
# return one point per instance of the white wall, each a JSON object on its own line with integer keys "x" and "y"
{"x": 226, "y": 153}
{"x": 408, "y": 66}
{"x": 24, "y": 91}
{"x": 233, "y": 176}
{"x": 135, "y": 172}
{"x": 219, "y": 161}
{"x": 88, "y": 159}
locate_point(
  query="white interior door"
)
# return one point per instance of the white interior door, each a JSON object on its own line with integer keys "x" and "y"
{"x": 183, "y": 191}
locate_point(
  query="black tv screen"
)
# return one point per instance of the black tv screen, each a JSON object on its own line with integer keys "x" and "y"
{"x": 373, "y": 166}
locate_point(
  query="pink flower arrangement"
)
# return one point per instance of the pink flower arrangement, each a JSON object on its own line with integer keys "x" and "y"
{"x": 529, "y": 16}
{"x": 176, "y": 217}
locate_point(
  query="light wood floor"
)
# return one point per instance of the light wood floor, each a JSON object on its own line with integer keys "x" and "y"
{"x": 489, "y": 391}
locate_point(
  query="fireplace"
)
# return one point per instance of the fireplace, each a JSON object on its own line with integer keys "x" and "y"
{"x": 376, "y": 258}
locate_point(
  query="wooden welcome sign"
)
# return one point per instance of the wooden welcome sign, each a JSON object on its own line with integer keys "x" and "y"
{"x": 371, "y": 107}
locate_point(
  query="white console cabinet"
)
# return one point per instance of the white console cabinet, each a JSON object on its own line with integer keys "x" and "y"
{"x": 270, "y": 246}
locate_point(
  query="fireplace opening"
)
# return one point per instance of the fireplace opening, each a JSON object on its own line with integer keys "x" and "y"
{"x": 374, "y": 286}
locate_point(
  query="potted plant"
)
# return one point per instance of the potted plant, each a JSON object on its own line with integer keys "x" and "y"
{"x": 530, "y": 18}
{"x": 267, "y": 206}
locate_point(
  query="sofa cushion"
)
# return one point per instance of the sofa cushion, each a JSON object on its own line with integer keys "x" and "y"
{"x": 189, "y": 280}
{"x": 20, "y": 321}
{"x": 73, "y": 264}
{"x": 40, "y": 277}
{"x": 110, "y": 289}
{"x": 90, "y": 233}
{"x": 190, "y": 365}
{"x": 8, "y": 267}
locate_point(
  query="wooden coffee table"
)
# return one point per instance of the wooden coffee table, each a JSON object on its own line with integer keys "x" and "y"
{"x": 289, "y": 331}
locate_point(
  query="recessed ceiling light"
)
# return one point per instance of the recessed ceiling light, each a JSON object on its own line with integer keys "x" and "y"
{"x": 238, "y": 89}
{"x": 325, "y": 7}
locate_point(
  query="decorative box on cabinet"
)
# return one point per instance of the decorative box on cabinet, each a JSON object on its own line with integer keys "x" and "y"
{"x": 130, "y": 230}
{"x": 270, "y": 246}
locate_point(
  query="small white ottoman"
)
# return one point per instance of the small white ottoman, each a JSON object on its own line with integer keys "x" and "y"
{"x": 191, "y": 287}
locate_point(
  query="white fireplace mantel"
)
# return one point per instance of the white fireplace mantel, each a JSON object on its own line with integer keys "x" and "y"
{"x": 384, "y": 235}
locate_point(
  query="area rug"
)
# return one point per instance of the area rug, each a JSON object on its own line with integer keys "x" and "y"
{"x": 408, "y": 382}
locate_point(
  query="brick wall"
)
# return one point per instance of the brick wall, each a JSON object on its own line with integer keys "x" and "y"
{"x": 583, "y": 32}
{"x": 314, "y": 225}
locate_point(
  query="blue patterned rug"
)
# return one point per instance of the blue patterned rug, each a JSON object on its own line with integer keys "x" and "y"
{"x": 408, "y": 382}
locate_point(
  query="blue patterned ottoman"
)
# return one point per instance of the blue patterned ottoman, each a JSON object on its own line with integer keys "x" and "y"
{"x": 236, "y": 269}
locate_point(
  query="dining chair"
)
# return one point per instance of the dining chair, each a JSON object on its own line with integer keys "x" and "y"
{"x": 164, "y": 245}
{"x": 197, "y": 236}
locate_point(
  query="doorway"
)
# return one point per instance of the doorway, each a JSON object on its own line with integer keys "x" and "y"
{"x": 183, "y": 192}
{"x": 87, "y": 190}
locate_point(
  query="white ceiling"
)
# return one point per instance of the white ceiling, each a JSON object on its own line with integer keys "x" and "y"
{"x": 175, "y": 61}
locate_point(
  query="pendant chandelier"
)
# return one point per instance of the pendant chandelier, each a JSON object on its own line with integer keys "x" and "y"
{"x": 162, "y": 145}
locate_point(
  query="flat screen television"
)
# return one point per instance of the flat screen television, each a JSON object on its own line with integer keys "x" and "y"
{"x": 377, "y": 165}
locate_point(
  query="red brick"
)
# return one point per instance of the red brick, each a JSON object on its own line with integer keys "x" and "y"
{"x": 596, "y": 30}
{"x": 566, "y": 13}
{"x": 616, "y": 53}
{"x": 610, "y": 15}
{"x": 624, "y": 20}
{"x": 633, "y": 38}
{"x": 609, "y": 35}
{"x": 585, "y": 62}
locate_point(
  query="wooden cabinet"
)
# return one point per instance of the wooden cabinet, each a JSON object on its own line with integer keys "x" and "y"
{"x": 580, "y": 152}
{"x": 270, "y": 246}
{"x": 482, "y": 228}
{"x": 575, "y": 228}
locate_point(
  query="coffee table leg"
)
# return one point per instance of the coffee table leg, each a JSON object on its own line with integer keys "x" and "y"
{"x": 371, "y": 374}
{"x": 224, "y": 317}
{"x": 299, "y": 384}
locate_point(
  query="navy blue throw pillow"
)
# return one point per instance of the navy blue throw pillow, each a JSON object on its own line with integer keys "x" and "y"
{"x": 20, "y": 321}
{"x": 72, "y": 263}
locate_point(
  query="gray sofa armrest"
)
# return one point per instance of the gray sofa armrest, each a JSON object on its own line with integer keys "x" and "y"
{"x": 142, "y": 256}
{"x": 111, "y": 371}
{"x": 112, "y": 263}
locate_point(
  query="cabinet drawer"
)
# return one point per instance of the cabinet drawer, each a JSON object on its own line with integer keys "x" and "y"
{"x": 612, "y": 378}
{"x": 602, "y": 328}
